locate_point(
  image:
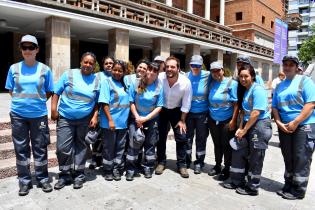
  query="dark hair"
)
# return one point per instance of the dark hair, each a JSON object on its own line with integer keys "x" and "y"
{"x": 145, "y": 61}
{"x": 173, "y": 58}
{"x": 90, "y": 54}
{"x": 240, "y": 88}
{"x": 143, "y": 83}
{"x": 124, "y": 68}
{"x": 107, "y": 57}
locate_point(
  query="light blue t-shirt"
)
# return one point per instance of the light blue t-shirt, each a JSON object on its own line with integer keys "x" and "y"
{"x": 200, "y": 88}
{"x": 259, "y": 80}
{"x": 222, "y": 95}
{"x": 130, "y": 79}
{"x": 29, "y": 85}
{"x": 291, "y": 95}
{"x": 113, "y": 93}
{"x": 256, "y": 99}
{"x": 78, "y": 92}
{"x": 104, "y": 75}
{"x": 148, "y": 100}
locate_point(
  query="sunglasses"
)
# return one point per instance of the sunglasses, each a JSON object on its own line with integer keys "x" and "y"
{"x": 195, "y": 66}
{"x": 30, "y": 47}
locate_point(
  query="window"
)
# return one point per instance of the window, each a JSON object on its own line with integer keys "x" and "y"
{"x": 263, "y": 18}
{"x": 271, "y": 24}
{"x": 239, "y": 15}
{"x": 217, "y": 18}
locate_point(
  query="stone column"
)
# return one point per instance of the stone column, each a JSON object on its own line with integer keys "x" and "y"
{"x": 190, "y": 50}
{"x": 217, "y": 55}
{"x": 222, "y": 10}
{"x": 17, "y": 55}
{"x": 58, "y": 47}
{"x": 118, "y": 44}
{"x": 190, "y": 5}
{"x": 161, "y": 46}
{"x": 75, "y": 54}
{"x": 207, "y": 9}
{"x": 233, "y": 66}
{"x": 169, "y": 3}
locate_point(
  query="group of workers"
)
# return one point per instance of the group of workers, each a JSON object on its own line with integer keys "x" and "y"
{"x": 127, "y": 119}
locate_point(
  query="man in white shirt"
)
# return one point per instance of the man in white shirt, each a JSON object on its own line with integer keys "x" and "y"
{"x": 177, "y": 100}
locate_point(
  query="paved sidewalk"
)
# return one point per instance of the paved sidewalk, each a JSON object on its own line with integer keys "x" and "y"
{"x": 167, "y": 191}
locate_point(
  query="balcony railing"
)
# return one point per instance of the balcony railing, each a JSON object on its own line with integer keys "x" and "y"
{"x": 146, "y": 13}
{"x": 294, "y": 21}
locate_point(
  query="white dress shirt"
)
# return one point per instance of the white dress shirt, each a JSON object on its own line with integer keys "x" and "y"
{"x": 179, "y": 95}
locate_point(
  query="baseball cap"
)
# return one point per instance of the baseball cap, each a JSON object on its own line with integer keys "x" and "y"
{"x": 216, "y": 65}
{"x": 159, "y": 58}
{"x": 29, "y": 38}
{"x": 237, "y": 144}
{"x": 244, "y": 59}
{"x": 290, "y": 58}
{"x": 196, "y": 59}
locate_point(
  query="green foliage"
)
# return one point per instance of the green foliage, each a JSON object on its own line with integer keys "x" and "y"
{"x": 307, "y": 49}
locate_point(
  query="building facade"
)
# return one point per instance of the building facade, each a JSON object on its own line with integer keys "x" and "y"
{"x": 306, "y": 8}
{"x": 127, "y": 30}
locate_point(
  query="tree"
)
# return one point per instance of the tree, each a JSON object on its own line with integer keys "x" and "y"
{"x": 307, "y": 49}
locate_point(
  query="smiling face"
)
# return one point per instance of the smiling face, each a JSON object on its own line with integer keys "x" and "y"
{"x": 87, "y": 65}
{"x": 246, "y": 79}
{"x": 141, "y": 69}
{"x": 152, "y": 74}
{"x": 217, "y": 74}
{"x": 171, "y": 68}
{"x": 117, "y": 72}
{"x": 29, "y": 50}
{"x": 290, "y": 69}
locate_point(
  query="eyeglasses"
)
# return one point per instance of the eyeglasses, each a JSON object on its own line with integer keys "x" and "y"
{"x": 195, "y": 66}
{"x": 30, "y": 47}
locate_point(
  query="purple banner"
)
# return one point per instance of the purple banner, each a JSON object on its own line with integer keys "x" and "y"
{"x": 277, "y": 42}
{"x": 284, "y": 39}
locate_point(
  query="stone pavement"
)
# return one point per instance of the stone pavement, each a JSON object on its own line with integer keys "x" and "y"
{"x": 167, "y": 191}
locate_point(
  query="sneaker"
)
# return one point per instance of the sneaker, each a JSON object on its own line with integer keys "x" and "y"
{"x": 147, "y": 173}
{"x": 197, "y": 169}
{"x": 61, "y": 184}
{"x": 286, "y": 188}
{"x": 246, "y": 191}
{"x": 77, "y": 184}
{"x": 159, "y": 169}
{"x": 116, "y": 175}
{"x": 129, "y": 176}
{"x": 293, "y": 195}
{"x": 230, "y": 185}
{"x": 183, "y": 172}
{"x": 46, "y": 187}
{"x": 215, "y": 170}
{"x": 25, "y": 189}
{"x": 108, "y": 177}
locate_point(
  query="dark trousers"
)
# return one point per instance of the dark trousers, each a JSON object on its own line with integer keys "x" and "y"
{"x": 297, "y": 149}
{"x": 197, "y": 123}
{"x": 36, "y": 132}
{"x": 171, "y": 116}
{"x": 71, "y": 147}
{"x": 257, "y": 137}
{"x": 150, "y": 130}
{"x": 113, "y": 149}
{"x": 221, "y": 136}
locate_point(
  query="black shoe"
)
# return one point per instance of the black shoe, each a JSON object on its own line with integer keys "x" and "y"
{"x": 25, "y": 189}
{"x": 137, "y": 175}
{"x": 92, "y": 166}
{"x": 46, "y": 187}
{"x": 129, "y": 176}
{"x": 61, "y": 184}
{"x": 246, "y": 191}
{"x": 147, "y": 174}
{"x": 224, "y": 175}
{"x": 109, "y": 177}
{"x": 215, "y": 170}
{"x": 197, "y": 169}
{"x": 292, "y": 196}
{"x": 230, "y": 185}
{"x": 77, "y": 184}
{"x": 286, "y": 188}
{"x": 116, "y": 175}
